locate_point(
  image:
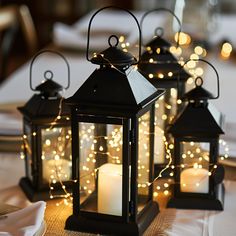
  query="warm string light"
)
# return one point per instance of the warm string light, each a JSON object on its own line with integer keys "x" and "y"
{"x": 94, "y": 148}
{"x": 58, "y": 117}
{"x": 226, "y": 50}
{"x": 57, "y": 173}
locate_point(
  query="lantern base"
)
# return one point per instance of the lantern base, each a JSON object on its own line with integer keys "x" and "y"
{"x": 36, "y": 194}
{"x": 201, "y": 202}
{"x": 98, "y": 226}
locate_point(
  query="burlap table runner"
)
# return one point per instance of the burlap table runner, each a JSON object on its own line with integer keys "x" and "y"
{"x": 55, "y": 217}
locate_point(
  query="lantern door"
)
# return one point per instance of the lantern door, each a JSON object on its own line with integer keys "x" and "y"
{"x": 166, "y": 109}
{"x": 55, "y": 155}
{"x": 103, "y": 166}
{"x": 195, "y": 166}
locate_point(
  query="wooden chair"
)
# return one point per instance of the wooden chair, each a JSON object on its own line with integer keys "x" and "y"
{"x": 12, "y": 19}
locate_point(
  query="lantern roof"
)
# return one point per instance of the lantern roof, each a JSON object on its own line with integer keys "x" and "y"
{"x": 49, "y": 88}
{"x": 113, "y": 91}
{"x": 198, "y": 94}
{"x": 45, "y": 104}
{"x": 162, "y": 65}
{"x": 158, "y": 42}
{"x": 38, "y": 108}
{"x": 114, "y": 56}
{"x": 198, "y": 120}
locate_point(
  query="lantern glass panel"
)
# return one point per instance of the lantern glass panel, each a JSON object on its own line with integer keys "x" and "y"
{"x": 28, "y": 150}
{"x": 143, "y": 160}
{"x": 56, "y": 154}
{"x": 194, "y": 167}
{"x": 165, "y": 111}
{"x": 100, "y": 155}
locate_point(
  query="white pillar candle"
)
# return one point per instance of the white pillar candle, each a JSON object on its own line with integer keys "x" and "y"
{"x": 110, "y": 189}
{"x": 62, "y": 166}
{"x": 194, "y": 180}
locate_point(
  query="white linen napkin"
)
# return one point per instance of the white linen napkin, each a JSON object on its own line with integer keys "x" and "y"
{"x": 24, "y": 222}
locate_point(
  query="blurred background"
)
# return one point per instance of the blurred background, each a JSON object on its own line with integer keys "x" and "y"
{"x": 45, "y": 13}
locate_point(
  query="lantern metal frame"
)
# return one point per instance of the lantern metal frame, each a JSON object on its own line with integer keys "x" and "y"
{"x": 111, "y": 110}
{"x": 205, "y": 129}
{"x": 41, "y": 113}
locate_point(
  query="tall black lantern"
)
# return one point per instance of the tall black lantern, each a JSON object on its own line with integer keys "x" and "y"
{"x": 163, "y": 70}
{"x": 198, "y": 177}
{"x": 112, "y": 117}
{"x": 47, "y": 139}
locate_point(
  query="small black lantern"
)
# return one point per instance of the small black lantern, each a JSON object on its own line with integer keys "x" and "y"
{"x": 163, "y": 70}
{"x": 112, "y": 117}
{"x": 47, "y": 139}
{"x": 198, "y": 176}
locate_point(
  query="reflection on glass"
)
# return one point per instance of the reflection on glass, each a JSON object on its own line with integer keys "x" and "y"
{"x": 165, "y": 111}
{"x": 143, "y": 159}
{"x": 56, "y": 154}
{"x": 194, "y": 175}
{"x": 101, "y": 167}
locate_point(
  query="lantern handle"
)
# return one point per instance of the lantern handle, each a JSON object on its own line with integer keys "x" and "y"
{"x": 48, "y": 73}
{"x": 120, "y": 8}
{"x": 201, "y": 80}
{"x": 160, "y": 28}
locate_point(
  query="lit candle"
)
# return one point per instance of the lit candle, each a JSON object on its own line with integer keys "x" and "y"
{"x": 110, "y": 189}
{"x": 194, "y": 180}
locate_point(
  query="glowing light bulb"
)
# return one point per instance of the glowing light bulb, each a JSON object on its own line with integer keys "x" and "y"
{"x": 195, "y": 165}
{"x": 198, "y": 50}
{"x": 184, "y": 39}
{"x": 121, "y": 39}
{"x": 166, "y": 185}
{"x": 184, "y": 156}
{"x": 150, "y": 76}
{"x": 164, "y": 117}
{"x": 155, "y": 194}
{"x": 166, "y": 192}
{"x": 179, "y": 101}
{"x": 158, "y": 50}
{"x": 151, "y": 60}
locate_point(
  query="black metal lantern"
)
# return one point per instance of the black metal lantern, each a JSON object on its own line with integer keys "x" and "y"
{"x": 198, "y": 177}
{"x": 47, "y": 139}
{"x": 163, "y": 70}
{"x": 112, "y": 117}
